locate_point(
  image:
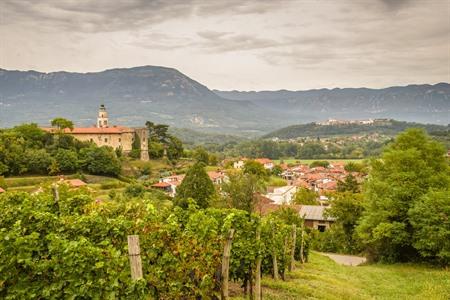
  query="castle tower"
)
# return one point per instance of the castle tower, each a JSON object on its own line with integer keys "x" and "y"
{"x": 102, "y": 119}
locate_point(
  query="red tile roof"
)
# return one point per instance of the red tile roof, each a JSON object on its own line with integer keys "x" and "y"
{"x": 213, "y": 175}
{"x": 161, "y": 185}
{"x": 2, "y": 190}
{"x": 75, "y": 182}
{"x": 94, "y": 130}
{"x": 263, "y": 160}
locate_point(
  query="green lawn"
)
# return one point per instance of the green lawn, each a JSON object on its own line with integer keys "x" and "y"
{"x": 309, "y": 161}
{"x": 321, "y": 278}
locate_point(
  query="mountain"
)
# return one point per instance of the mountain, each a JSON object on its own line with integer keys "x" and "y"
{"x": 417, "y": 103}
{"x": 132, "y": 96}
{"x": 381, "y": 126}
{"x": 164, "y": 95}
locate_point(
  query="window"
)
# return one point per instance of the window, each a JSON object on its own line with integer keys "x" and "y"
{"x": 120, "y": 140}
{"x": 322, "y": 228}
{"x": 91, "y": 140}
{"x": 106, "y": 140}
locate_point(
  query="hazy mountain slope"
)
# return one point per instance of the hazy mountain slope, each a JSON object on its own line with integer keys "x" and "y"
{"x": 389, "y": 127}
{"x": 420, "y": 103}
{"x": 132, "y": 96}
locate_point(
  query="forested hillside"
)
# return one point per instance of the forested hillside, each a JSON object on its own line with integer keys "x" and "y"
{"x": 388, "y": 127}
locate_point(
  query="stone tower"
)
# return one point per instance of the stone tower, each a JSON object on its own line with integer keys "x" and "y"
{"x": 102, "y": 119}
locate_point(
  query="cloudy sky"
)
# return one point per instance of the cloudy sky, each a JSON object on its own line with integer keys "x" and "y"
{"x": 236, "y": 44}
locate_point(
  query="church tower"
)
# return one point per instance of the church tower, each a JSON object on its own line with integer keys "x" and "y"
{"x": 102, "y": 119}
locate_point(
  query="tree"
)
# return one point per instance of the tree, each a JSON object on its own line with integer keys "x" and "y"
{"x": 175, "y": 148}
{"x": 38, "y": 161}
{"x": 277, "y": 170}
{"x": 305, "y": 196}
{"x": 411, "y": 166}
{"x": 347, "y": 208}
{"x": 136, "y": 148}
{"x": 348, "y": 185}
{"x": 196, "y": 185}
{"x": 67, "y": 160}
{"x": 255, "y": 168}
{"x": 201, "y": 155}
{"x": 319, "y": 163}
{"x": 61, "y": 124}
{"x": 240, "y": 191}
{"x": 100, "y": 160}
{"x": 430, "y": 220}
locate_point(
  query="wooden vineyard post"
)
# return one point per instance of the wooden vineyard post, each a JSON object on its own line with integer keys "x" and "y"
{"x": 302, "y": 258}
{"x": 294, "y": 237}
{"x": 226, "y": 265}
{"x": 274, "y": 257}
{"x": 134, "y": 252}
{"x": 55, "y": 192}
{"x": 258, "y": 266}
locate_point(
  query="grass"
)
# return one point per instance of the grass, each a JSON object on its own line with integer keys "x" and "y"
{"x": 309, "y": 161}
{"x": 322, "y": 278}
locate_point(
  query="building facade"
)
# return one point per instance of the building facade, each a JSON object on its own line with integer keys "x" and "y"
{"x": 117, "y": 137}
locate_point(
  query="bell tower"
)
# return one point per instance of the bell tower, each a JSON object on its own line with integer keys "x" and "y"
{"x": 102, "y": 119}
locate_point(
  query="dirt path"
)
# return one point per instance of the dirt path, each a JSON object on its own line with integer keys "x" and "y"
{"x": 348, "y": 260}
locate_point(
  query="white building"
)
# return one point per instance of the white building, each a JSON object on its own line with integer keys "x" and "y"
{"x": 282, "y": 195}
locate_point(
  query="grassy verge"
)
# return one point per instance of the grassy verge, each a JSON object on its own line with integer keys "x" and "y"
{"x": 321, "y": 278}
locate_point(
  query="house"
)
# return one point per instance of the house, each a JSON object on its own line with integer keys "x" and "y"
{"x": 169, "y": 184}
{"x": 267, "y": 163}
{"x": 102, "y": 134}
{"x": 163, "y": 186}
{"x": 217, "y": 177}
{"x": 314, "y": 217}
{"x": 75, "y": 183}
{"x": 239, "y": 164}
{"x": 282, "y": 195}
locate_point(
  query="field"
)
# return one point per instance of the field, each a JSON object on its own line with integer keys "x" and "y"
{"x": 321, "y": 278}
{"x": 308, "y": 161}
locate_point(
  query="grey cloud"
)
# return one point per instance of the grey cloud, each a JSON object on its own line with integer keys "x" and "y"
{"x": 226, "y": 42}
{"x": 395, "y": 4}
{"x": 106, "y": 15}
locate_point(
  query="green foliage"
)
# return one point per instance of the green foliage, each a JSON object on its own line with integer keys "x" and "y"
{"x": 100, "y": 161}
{"x": 196, "y": 185}
{"x": 407, "y": 170}
{"x": 305, "y": 196}
{"x": 27, "y": 149}
{"x": 277, "y": 170}
{"x": 160, "y": 140}
{"x": 3, "y": 183}
{"x": 134, "y": 190}
{"x": 276, "y": 181}
{"x": 201, "y": 155}
{"x": 430, "y": 219}
{"x": 311, "y": 150}
{"x": 355, "y": 167}
{"x": 255, "y": 168}
{"x": 155, "y": 150}
{"x": 67, "y": 160}
{"x": 319, "y": 163}
{"x": 346, "y": 208}
{"x": 136, "y": 148}
{"x": 348, "y": 185}
{"x": 38, "y": 160}
{"x": 62, "y": 124}
{"x": 240, "y": 191}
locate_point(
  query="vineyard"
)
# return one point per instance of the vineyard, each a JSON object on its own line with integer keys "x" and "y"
{"x": 63, "y": 244}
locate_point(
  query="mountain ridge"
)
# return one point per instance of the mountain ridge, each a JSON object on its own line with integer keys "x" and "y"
{"x": 165, "y": 95}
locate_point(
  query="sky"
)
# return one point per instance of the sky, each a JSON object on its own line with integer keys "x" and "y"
{"x": 236, "y": 44}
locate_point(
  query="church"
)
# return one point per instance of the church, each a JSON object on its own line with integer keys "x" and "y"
{"x": 117, "y": 137}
